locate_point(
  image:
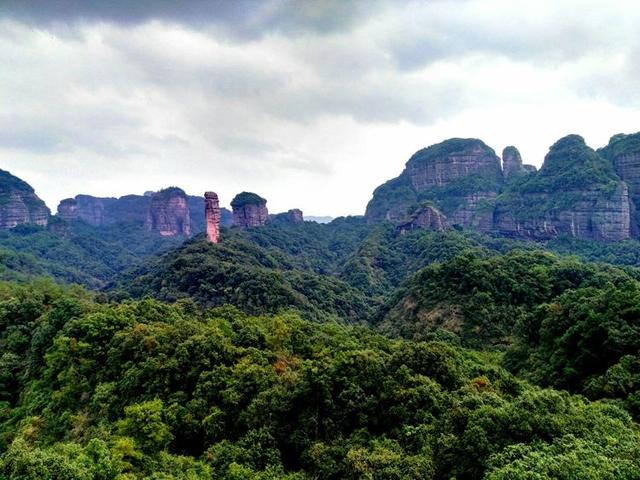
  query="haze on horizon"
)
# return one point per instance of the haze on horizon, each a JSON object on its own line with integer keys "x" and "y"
{"x": 310, "y": 104}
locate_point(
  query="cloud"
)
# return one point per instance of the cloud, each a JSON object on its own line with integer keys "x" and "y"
{"x": 238, "y": 19}
{"x": 312, "y": 104}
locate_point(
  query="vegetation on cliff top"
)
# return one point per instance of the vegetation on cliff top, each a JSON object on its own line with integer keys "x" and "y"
{"x": 247, "y": 198}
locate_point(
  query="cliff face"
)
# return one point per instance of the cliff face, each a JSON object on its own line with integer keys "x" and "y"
{"x": 169, "y": 213}
{"x": 577, "y": 192}
{"x": 19, "y": 204}
{"x": 426, "y": 217}
{"x": 295, "y": 216}
{"x": 249, "y": 210}
{"x": 212, "y": 216}
{"x": 100, "y": 211}
{"x": 624, "y": 153}
{"x": 458, "y": 175}
{"x": 512, "y": 165}
{"x": 452, "y": 160}
{"x": 591, "y": 216}
{"x": 68, "y": 209}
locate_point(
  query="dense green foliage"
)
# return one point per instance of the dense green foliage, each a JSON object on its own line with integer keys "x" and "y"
{"x": 261, "y": 270}
{"x": 621, "y": 144}
{"x": 75, "y": 253}
{"x": 247, "y": 363}
{"x": 10, "y": 182}
{"x": 247, "y": 198}
{"x": 148, "y": 390}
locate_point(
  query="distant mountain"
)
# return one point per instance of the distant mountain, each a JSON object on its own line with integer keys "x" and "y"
{"x": 129, "y": 209}
{"x": 311, "y": 218}
{"x": 578, "y": 192}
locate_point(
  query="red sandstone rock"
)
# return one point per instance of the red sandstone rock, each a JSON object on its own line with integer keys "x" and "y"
{"x": 169, "y": 213}
{"x": 249, "y": 210}
{"x": 212, "y": 216}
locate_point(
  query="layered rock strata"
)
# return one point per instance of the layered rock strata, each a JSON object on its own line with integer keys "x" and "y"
{"x": 249, "y": 210}
{"x": 426, "y": 217}
{"x": 19, "y": 204}
{"x": 169, "y": 213}
{"x": 212, "y": 216}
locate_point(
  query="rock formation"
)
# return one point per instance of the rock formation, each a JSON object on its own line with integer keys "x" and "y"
{"x": 577, "y": 192}
{"x": 19, "y": 204}
{"x": 457, "y": 175}
{"x": 290, "y": 217}
{"x": 512, "y": 163}
{"x": 212, "y": 216}
{"x": 68, "y": 209}
{"x": 623, "y": 151}
{"x": 249, "y": 210}
{"x": 101, "y": 211}
{"x": 169, "y": 213}
{"x": 295, "y": 216}
{"x": 426, "y": 217}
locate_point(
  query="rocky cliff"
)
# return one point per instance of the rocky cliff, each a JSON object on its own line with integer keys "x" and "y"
{"x": 169, "y": 213}
{"x": 425, "y": 217}
{"x": 249, "y": 210}
{"x": 103, "y": 211}
{"x": 512, "y": 166}
{"x": 624, "y": 152}
{"x": 212, "y": 216}
{"x": 19, "y": 204}
{"x": 459, "y": 176}
{"x": 290, "y": 217}
{"x": 577, "y": 192}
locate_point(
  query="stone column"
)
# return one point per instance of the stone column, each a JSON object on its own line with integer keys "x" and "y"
{"x": 212, "y": 216}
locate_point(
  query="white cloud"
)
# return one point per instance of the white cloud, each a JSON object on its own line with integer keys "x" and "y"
{"x": 312, "y": 117}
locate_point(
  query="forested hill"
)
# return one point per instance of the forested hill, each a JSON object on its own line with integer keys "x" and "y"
{"x": 150, "y": 390}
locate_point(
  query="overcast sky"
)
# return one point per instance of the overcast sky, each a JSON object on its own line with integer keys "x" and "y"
{"x": 310, "y": 104}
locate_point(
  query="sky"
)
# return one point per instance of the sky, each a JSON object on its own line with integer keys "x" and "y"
{"x": 311, "y": 104}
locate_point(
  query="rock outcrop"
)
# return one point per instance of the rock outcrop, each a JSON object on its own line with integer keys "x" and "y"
{"x": 249, "y": 210}
{"x": 457, "y": 175}
{"x": 104, "y": 211}
{"x": 624, "y": 153}
{"x": 576, "y": 193}
{"x": 169, "y": 213}
{"x": 295, "y": 216}
{"x": 68, "y": 209}
{"x": 290, "y": 217}
{"x": 130, "y": 209}
{"x": 512, "y": 165}
{"x": 426, "y": 217}
{"x": 19, "y": 204}
{"x": 212, "y": 216}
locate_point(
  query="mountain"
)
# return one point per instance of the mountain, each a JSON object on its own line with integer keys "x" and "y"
{"x": 19, "y": 204}
{"x": 459, "y": 175}
{"x": 578, "y": 192}
{"x": 129, "y": 209}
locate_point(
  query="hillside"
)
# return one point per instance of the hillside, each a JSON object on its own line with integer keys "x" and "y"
{"x": 149, "y": 390}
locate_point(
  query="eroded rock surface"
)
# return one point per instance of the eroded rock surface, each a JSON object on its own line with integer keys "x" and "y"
{"x": 169, "y": 213}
